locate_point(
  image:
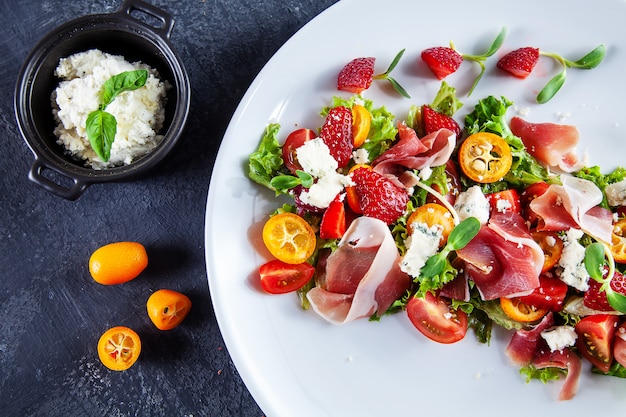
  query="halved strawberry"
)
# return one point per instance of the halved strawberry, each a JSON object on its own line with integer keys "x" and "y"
{"x": 433, "y": 121}
{"x": 442, "y": 60}
{"x": 596, "y": 299}
{"x": 356, "y": 76}
{"x": 336, "y": 133}
{"x": 520, "y": 62}
{"x": 333, "y": 224}
{"x": 378, "y": 196}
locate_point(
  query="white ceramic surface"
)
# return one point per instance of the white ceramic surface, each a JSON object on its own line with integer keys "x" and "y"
{"x": 293, "y": 362}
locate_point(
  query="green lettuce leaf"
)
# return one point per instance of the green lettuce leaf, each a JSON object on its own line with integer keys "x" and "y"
{"x": 594, "y": 175}
{"x": 267, "y": 160}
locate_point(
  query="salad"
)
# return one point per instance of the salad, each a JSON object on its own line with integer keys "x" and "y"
{"x": 497, "y": 222}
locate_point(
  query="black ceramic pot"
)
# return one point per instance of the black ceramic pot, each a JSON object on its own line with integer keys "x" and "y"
{"x": 139, "y": 32}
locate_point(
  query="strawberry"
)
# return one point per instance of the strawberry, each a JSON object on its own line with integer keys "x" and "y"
{"x": 520, "y": 62}
{"x": 356, "y": 76}
{"x": 336, "y": 133}
{"x": 433, "y": 121}
{"x": 442, "y": 60}
{"x": 333, "y": 224}
{"x": 379, "y": 197}
{"x": 596, "y": 299}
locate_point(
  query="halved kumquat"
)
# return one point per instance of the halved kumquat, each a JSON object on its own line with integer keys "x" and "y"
{"x": 289, "y": 238}
{"x": 118, "y": 348}
{"x": 167, "y": 308}
{"x": 432, "y": 214}
{"x": 361, "y": 121}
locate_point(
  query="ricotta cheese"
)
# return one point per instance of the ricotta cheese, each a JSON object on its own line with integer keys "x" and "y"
{"x": 472, "y": 203}
{"x": 140, "y": 114}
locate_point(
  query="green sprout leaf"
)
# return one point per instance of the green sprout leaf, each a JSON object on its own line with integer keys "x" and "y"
{"x": 283, "y": 183}
{"x": 385, "y": 75}
{"x": 495, "y": 45}
{"x": 594, "y": 261}
{"x": 616, "y": 300}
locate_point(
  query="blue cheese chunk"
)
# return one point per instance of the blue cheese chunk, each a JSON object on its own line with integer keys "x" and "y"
{"x": 616, "y": 193}
{"x": 571, "y": 267}
{"x": 472, "y": 203}
{"x": 559, "y": 337}
{"x": 421, "y": 245}
{"x": 315, "y": 158}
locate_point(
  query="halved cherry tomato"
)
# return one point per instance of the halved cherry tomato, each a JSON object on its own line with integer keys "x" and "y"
{"x": 618, "y": 241}
{"x": 278, "y": 277}
{"x": 333, "y": 224}
{"x": 435, "y": 319}
{"x": 528, "y": 195}
{"x": 432, "y": 214}
{"x": 289, "y": 238}
{"x": 351, "y": 195}
{"x": 519, "y": 311}
{"x": 118, "y": 262}
{"x": 361, "y": 121}
{"x": 595, "y": 339}
{"x": 118, "y": 348}
{"x": 552, "y": 247}
{"x": 505, "y": 201}
{"x": 295, "y": 139}
{"x": 550, "y": 295}
{"x": 619, "y": 346}
{"x": 167, "y": 308}
{"x": 485, "y": 157}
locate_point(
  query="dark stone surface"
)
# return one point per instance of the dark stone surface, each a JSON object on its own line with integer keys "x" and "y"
{"x": 52, "y": 312}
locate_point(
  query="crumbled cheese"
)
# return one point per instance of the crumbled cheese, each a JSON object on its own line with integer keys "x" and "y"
{"x": 324, "y": 191}
{"x": 559, "y": 337}
{"x": 472, "y": 203}
{"x": 315, "y": 158}
{"x": 140, "y": 114}
{"x": 616, "y": 193}
{"x": 503, "y": 205}
{"x": 361, "y": 156}
{"x": 425, "y": 173}
{"x": 572, "y": 269}
{"x": 421, "y": 245}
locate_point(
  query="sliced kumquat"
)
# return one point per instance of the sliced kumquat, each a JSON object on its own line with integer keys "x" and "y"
{"x": 485, "y": 157}
{"x": 119, "y": 348}
{"x": 521, "y": 312}
{"x": 618, "y": 241}
{"x": 351, "y": 195}
{"x": 361, "y": 121}
{"x": 289, "y": 238}
{"x": 432, "y": 214}
{"x": 552, "y": 247}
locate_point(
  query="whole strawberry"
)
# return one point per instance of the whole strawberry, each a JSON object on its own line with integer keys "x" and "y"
{"x": 378, "y": 196}
{"x": 336, "y": 133}
{"x": 520, "y": 62}
{"x": 356, "y": 76}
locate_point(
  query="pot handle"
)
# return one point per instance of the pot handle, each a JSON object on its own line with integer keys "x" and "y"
{"x": 69, "y": 193}
{"x": 166, "y": 19}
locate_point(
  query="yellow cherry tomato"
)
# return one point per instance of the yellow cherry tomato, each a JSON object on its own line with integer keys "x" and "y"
{"x": 618, "y": 241}
{"x": 289, "y": 238}
{"x": 432, "y": 214}
{"x": 118, "y": 262}
{"x": 361, "y": 121}
{"x": 167, "y": 308}
{"x": 485, "y": 157}
{"x": 118, "y": 348}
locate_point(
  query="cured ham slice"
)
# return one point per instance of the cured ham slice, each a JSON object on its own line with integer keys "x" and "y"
{"x": 362, "y": 276}
{"x": 412, "y": 152}
{"x": 573, "y": 205}
{"x": 553, "y": 145}
{"x": 525, "y": 342}
{"x": 563, "y": 359}
{"x": 503, "y": 260}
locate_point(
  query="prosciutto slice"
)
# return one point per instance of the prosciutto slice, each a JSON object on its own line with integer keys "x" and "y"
{"x": 412, "y": 152}
{"x": 362, "y": 276}
{"x": 503, "y": 260}
{"x": 553, "y": 145}
{"x": 573, "y": 204}
{"x": 525, "y": 342}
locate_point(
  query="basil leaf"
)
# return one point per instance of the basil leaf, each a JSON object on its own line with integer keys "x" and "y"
{"x": 594, "y": 260}
{"x": 101, "y": 128}
{"x": 125, "y": 81}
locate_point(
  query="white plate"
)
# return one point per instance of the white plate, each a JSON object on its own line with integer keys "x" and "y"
{"x": 293, "y": 362}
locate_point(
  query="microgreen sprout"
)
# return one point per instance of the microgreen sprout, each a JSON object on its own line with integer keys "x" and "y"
{"x": 589, "y": 61}
{"x": 497, "y": 43}
{"x": 385, "y": 75}
{"x": 596, "y": 256}
{"x": 282, "y": 183}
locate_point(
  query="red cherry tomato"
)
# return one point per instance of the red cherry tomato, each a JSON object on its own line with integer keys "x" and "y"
{"x": 434, "y": 317}
{"x": 529, "y": 194}
{"x": 295, "y": 139}
{"x": 505, "y": 201}
{"x": 550, "y": 295}
{"x": 595, "y": 339}
{"x": 278, "y": 277}
{"x": 619, "y": 347}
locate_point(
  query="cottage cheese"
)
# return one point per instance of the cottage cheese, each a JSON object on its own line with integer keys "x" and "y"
{"x": 140, "y": 113}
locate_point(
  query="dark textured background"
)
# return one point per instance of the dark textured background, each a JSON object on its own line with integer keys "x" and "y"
{"x": 51, "y": 312}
